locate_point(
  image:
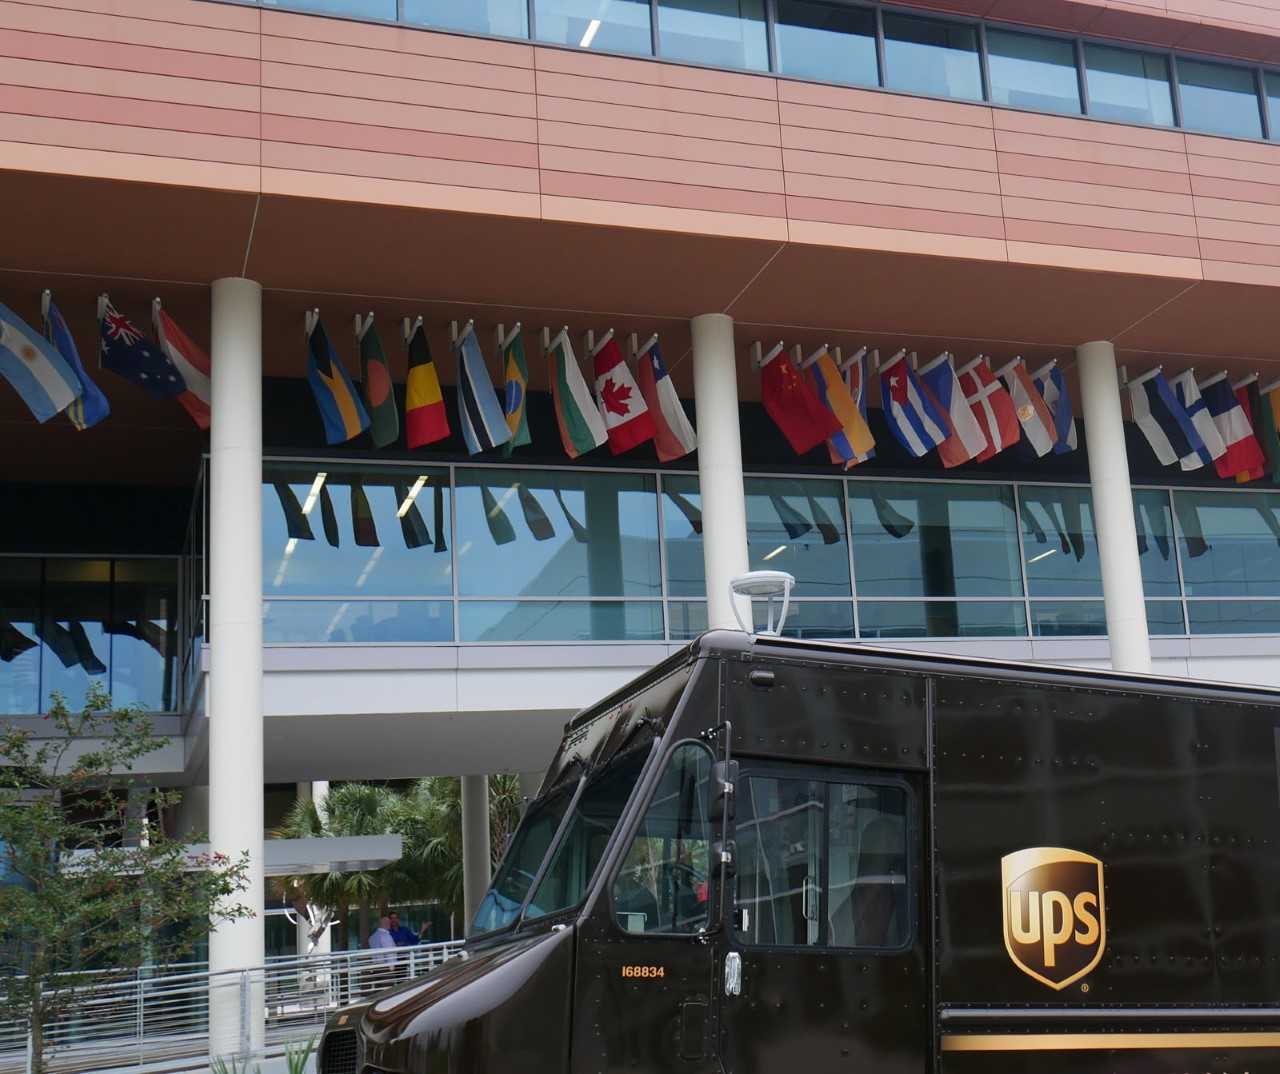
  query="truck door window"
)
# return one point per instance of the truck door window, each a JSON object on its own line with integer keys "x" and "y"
{"x": 822, "y": 863}
{"x": 662, "y": 884}
{"x": 502, "y": 902}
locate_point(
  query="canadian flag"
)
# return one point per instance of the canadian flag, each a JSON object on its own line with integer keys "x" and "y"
{"x": 626, "y": 417}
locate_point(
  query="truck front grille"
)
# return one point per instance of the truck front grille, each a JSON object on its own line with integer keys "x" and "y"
{"x": 338, "y": 1052}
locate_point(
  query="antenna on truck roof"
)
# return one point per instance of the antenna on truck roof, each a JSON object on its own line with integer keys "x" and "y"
{"x": 766, "y": 585}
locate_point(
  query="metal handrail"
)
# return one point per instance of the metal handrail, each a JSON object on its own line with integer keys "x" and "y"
{"x": 160, "y": 1021}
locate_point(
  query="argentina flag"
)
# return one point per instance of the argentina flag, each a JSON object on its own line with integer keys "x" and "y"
{"x": 484, "y": 425}
{"x": 34, "y": 367}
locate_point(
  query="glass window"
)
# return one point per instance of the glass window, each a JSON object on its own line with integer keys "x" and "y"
{"x": 361, "y": 9}
{"x": 1153, "y": 520}
{"x": 927, "y": 539}
{"x": 721, "y": 33}
{"x": 144, "y": 609}
{"x": 502, "y": 18}
{"x": 73, "y": 628}
{"x": 1272, "y": 82}
{"x": 368, "y": 531}
{"x": 822, "y": 863}
{"x": 605, "y": 25}
{"x": 544, "y": 533}
{"x": 663, "y": 882}
{"x": 1234, "y": 616}
{"x": 574, "y": 863}
{"x": 941, "y": 619}
{"x": 1033, "y": 72}
{"x": 793, "y": 526}
{"x": 20, "y": 637}
{"x": 931, "y": 56}
{"x": 1127, "y": 85}
{"x": 1088, "y": 618}
{"x": 1230, "y": 543}
{"x": 1219, "y": 99}
{"x": 292, "y": 622}
{"x": 567, "y": 620}
{"x": 519, "y": 866}
{"x": 828, "y": 42}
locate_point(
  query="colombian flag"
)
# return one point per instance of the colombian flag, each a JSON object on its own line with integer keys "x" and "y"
{"x": 425, "y": 419}
{"x": 343, "y": 414}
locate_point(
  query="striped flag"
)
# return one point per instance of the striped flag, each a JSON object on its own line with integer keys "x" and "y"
{"x": 855, "y": 380}
{"x": 854, "y": 439}
{"x": 965, "y": 439}
{"x": 912, "y": 416}
{"x": 34, "y": 367}
{"x": 91, "y": 406}
{"x": 1053, "y": 388}
{"x": 1033, "y": 415}
{"x": 1242, "y": 452}
{"x": 581, "y": 427}
{"x": 189, "y": 360}
{"x": 1268, "y": 427}
{"x": 674, "y": 436}
{"x": 1252, "y": 405}
{"x": 991, "y": 405}
{"x": 625, "y": 414}
{"x": 515, "y": 371}
{"x": 1163, "y": 419}
{"x": 425, "y": 418}
{"x": 484, "y": 426}
{"x": 341, "y": 412}
{"x": 1210, "y": 444}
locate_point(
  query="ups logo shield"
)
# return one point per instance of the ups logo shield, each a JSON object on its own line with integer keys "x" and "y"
{"x": 1055, "y": 924}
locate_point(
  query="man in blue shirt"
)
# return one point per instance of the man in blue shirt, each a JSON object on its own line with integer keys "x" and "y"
{"x": 403, "y": 936}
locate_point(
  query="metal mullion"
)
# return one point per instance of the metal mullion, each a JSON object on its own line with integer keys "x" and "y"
{"x": 662, "y": 564}
{"x": 1177, "y": 559}
{"x": 531, "y": 15}
{"x": 853, "y": 578}
{"x": 1176, "y": 88}
{"x": 1022, "y": 560}
{"x": 453, "y": 554}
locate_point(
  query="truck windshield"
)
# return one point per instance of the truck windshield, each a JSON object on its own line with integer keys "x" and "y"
{"x": 569, "y": 872}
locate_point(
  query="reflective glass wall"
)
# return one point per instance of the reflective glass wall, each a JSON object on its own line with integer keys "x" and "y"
{"x": 863, "y": 43}
{"x": 408, "y": 554}
{"x": 65, "y": 623}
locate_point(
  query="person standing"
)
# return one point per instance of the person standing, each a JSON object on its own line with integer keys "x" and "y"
{"x": 401, "y": 934}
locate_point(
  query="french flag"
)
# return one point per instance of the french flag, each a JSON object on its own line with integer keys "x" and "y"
{"x": 913, "y": 417}
{"x": 1243, "y": 453}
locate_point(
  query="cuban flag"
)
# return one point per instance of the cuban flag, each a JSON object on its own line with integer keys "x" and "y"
{"x": 966, "y": 440}
{"x": 1163, "y": 420}
{"x": 47, "y": 384}
{"x": 674, "y": 436}
{"x": 912, "y": 416}
{"x": 484, "y": 425}
{"x": 1211, "y": 446}
{"x": 1053, "y": 389}
{"x": 126, "y": 351}
{"x": 1243, "y": 452}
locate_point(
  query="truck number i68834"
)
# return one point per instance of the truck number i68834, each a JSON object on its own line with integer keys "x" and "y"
{"x": 644, "y": 971}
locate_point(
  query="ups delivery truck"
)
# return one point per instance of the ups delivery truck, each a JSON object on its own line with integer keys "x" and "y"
{"x": 776, "y": 857}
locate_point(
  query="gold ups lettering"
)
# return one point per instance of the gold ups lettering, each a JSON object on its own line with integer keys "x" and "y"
{"x": 1055, "y": 922}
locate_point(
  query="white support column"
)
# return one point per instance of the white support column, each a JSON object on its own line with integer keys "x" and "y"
{"x": 1117, "y": 536}
{"x": 476, "y": 861}
{"x": 235, "y": 677}
{"x": 724, "y": 503}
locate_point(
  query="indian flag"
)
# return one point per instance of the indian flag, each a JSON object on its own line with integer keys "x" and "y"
{"x": 581, "y": 426}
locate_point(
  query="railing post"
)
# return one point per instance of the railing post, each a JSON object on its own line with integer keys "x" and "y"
{"x": 246, "y": 1043}
{"x": 30, "y": 1057}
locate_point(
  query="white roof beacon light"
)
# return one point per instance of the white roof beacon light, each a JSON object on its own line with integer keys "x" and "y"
{"x": 763, "y": 585}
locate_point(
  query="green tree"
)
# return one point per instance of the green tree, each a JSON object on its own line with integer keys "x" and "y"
{"x": 84, "y": 886}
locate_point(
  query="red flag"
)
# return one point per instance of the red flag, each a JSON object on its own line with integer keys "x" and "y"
{"x": 626, "y": 417}
{"x": 190, "y": 361}
{"x": 795, "y": 407}
{"x": 1246, "y": 404}
{"x": 992, "y": 406}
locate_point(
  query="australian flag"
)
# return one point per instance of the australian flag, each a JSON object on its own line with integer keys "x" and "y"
{"x": 126, "y": 351}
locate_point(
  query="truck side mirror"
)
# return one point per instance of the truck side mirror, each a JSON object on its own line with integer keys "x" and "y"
{"x": 724, "y": 779}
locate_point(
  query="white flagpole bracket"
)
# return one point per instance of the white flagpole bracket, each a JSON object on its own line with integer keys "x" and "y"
{"x": 1045, "y": 369}
{"x": 646, "y": 346}
{"x": 1007, "y": 366}
{"x": 897, "y": 356}
{"x": 309, "y": 321}
{"x": 363, "y": 324}
{"x": 1268, "y": 389}
{"x": 845, "y": 363}
{"x": 103, "y": 299}
{"x": 594, "y": 347}
{"x": 456, "y": 337}
{"x": 1141, "y": 378}
{"x": 807, "y": 362}
{"x": 505, "y": 339}
{"x": 1212, "y": 380}
{"x": 46, "y": 297}
{"x": 759, "y": 360}
{"x": 1244, "y": 381}
{"x": 410, "y": 326}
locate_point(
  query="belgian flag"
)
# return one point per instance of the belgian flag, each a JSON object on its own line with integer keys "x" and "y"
{"x": 425, "y": 420}
{"x": 343, "y": 414}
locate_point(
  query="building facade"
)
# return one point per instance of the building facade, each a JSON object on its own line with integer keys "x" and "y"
{"x": 1081, "y": 181}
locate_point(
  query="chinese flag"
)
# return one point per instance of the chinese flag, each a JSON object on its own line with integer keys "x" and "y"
{"x": 795, "y": 407}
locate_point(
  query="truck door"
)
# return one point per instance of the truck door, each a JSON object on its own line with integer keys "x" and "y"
{"x": 831, "y": 972}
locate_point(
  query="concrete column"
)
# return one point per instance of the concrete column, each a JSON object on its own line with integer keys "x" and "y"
{"x": 724, "y": 503}
{"x": 1113, "y": 508}
{"x": 235, "y": 677}
{"x": 476, "y": 860}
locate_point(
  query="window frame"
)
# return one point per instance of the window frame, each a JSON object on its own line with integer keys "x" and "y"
{"x": 772, "y": 769}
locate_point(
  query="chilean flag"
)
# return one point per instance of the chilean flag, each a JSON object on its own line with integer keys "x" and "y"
{"x": 1243, "y": 451}
{"x": 674, "y": 437}
{"x": 912, "y": 414}
{"x": 992, "y": 406}
{"x": 626, "y": 417}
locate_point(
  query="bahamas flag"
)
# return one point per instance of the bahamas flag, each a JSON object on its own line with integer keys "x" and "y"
{"x": 581, "y": 426}
{"x": 516, "y": 373}
{"x": 92, "y": 406}
{"x": 343, "y": 414}
{"x": 34, "y": 367}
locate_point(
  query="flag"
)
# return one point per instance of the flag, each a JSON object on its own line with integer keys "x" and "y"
{"x": 577, "y": 528}
{"x": 581, "y": 427}
{"x": 483, "y": 424}
{"x": 1269, "y": 431}
{"x": 893, "y": 521}
{"x": 1211, "y": 445}
{"x": 362, "y": 524}
{"x": 500, "y": 528}
{"x": 437, "y": 517}
{"x": 625, "y": 413}
{"x": 58, "y": 639}
{"x": 692, "y": 513}
{"x": 13, "y": 643}
{"x": 854, "y": 439}
{"x": 515, "y": 393}
{"x": 375, "y": 388}
{"x": 1163, "y": 420}
{"x": 85, "y": 655}
{"x": 1251, "y": 404}
{"x": 1192, "y": 531}
{"x": 792, "y": 520}
{"x": 534, "y": 516}
{"x": 341, "y": 411}
{"x": 992, "y": 406}
{"x": 189, "y": 360}
{"x": 830, "y": 533}
{"x": 1242, "y": 451}
{"x": 412, "y": 526}
{"x": 1029, "y": 405}
{"x": 1053, "y": 389}
{"x": 912, "y": 416}
{"x": 673, "y": 435}
{"x": 126, "y": 351}
{"x": 794, "y": 406}
{"x": 965, "y": 439}
{"x": 425, "y": 420}
{"x": 38, "y": 373}
{"x": 329, "y": 518}
{"x": 91, "y": 406}
{"x": 296, "y": 523}
{"x": 855, "y": 380}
